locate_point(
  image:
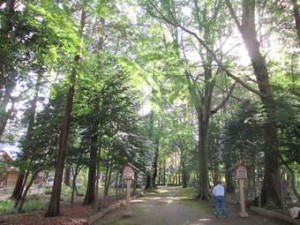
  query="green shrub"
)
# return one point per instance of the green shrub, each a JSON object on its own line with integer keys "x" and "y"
{"x": 68, "y": 190}
{"x": 33, "y": 204}
{"x": 30, "y": 205}
{"x": 48, "y": 192}
{"x": 6, "y": 206}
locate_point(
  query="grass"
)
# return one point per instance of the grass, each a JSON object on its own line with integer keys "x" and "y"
{"x": 68, "y": 190}
{"x": 32, "y": 204}
{"x": 6, "y": 206}
{"x": 65, "y": 190}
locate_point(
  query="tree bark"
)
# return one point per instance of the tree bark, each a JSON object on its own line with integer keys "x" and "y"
{"x": 297, "y": 19}
{"x": 74, "y": 186}
{"x": 89, "y": 198}
{"x": 155, "y": 164}
{"x": 20, "y": 203}
{"x": 149, "y": 185}
{"x": 67, "y": 175}
{"x": 107, "y": 179}
{"x": 54, "y": 205}
{"x": 6, "y": 115}
{"x": 18, "y": 186}
{"x": 149, "y": 176}
{"x": 7, "y": 77}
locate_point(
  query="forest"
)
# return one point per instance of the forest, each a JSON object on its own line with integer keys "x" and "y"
{"x": 184, "y": 90}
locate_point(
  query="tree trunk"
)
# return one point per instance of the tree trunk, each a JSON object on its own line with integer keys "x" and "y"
{"x": 149, "y": 176}
{"x": 74, "y": 186}
{"x": 203, "y": 193}
{"x": 155, "y": 164}
{"x": 6, "y": 115}
{"x": 95, "y": 145}
{"x": 149, "y": 185}
{"x": 19, "y": 204}
{"x": 183, "y": 170}
{"x": 203, "y": 121}
{"x": 18, "y": 190}
{"x": 21, "y": 190}
{"x": 229, "y": 182}
{"x": 67, "y": 176}
{"x": 54, "y": 205}
{"x": 297, "y": 19}
{"x": 184, "y": 175}
{"x": 271, "y": 184}
{"x": 90, "y": 195}
{"x": 89, "y": 198}
{"x": 107, "y": 180}
{"x": 164, "y": 172}
{"x": 18, "y": 186}
{"x": 293, "y": 182}
{"x": 7, "y": 77}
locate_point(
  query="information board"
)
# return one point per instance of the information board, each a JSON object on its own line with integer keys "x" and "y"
{"x": 128, "y": 173}
{"x": 241, "y": 172}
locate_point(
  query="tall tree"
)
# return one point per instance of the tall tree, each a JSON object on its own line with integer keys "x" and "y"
{"x": 247, "y": 27}
{"x": 297, "y": 18}
{"x": 54, "y": 205}
{"x": 18, "y": 190}
{"x": 201, "y": 87}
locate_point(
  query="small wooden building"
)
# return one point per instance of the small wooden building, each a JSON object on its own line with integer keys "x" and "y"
{"x": 8, "y": 174}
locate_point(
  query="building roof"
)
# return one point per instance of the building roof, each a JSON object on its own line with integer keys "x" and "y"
{"x": 5, "y": 156}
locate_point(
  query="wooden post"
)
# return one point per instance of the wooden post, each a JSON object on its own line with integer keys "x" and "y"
{"x": 241, "y": 175}
{"x": 243, "y": 212}
{"x": 128, "y": 193}
{"x": 128, "y": 176}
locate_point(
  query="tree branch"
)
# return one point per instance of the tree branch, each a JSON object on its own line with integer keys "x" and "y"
{"x": 202, "y": 42}
{"x": 233, "y": 15}
{"x": 221, "y": 105}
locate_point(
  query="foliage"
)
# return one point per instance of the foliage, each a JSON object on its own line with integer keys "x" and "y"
{"x": 6, "y": 206}
{"x": 35, "y": 204}
{"x": 31, "y": 205}
{"x": 68, "y": 190}
{"x": 243, "y": 133}
{"x": 113, "y": 105}
{"x": 288, "y": 123}
{"x": 42, "y": 146}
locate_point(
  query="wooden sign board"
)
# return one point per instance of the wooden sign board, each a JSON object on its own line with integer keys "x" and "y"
{"x": 241, "y": 172}
{"x": 128, "y": 173}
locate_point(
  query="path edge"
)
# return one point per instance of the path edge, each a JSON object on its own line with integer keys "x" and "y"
{"x": 273, "y": 214}
{"x": 99, "y": 215}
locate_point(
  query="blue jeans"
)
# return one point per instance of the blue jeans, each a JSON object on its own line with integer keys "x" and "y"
{"x": 220, "y": 206}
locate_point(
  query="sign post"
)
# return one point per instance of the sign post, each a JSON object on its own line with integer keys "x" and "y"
{"x": 241, "y": 175}
{"x": 128, "y": 176}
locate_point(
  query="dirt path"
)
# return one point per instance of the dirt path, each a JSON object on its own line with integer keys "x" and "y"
{"x": 169, "y": 207}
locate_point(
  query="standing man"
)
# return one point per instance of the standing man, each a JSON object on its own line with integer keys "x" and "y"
{"x": 219, "y": 195}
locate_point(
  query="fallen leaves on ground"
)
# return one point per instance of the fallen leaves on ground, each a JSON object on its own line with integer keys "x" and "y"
{"x": 75, "y": 214}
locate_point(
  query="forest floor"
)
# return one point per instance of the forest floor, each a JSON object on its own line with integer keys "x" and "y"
{"x": 70, "y": 214}
{"x": 166, "y": 206}
{"x": 75, "y": 214}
